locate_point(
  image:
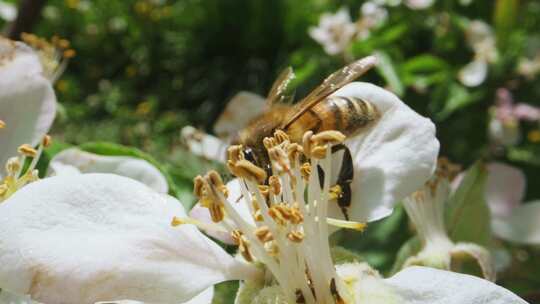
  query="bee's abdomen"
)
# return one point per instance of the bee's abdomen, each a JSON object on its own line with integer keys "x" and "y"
{"x": 349, "y": 115}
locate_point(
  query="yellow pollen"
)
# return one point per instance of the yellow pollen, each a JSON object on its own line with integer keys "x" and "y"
{"x": 46, "y": 141}
{"x": 295, "y": 236}
{"x": 305, "y": 170}
{"x": 281, "y": 136}
{"x": 264, "y": 234}
{"x": 27, "y": 150}
{"x": 328, "y": 137}
{"x": 176, "y": 221}
{"x": 275, "y": 185}
{"x": 319, "y": 152}
{"x": 249, "y": 171}
{"x": 2, "y": 124}
{"x": 347, "y": 224}
{"x": 294, "y": 151}
{"x": 335, "y": 192}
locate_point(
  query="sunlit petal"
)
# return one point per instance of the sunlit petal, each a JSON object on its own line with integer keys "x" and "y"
{"x": 95, "y": 237}
{"x": 392, "y": 158}
{"x": 74, "y": 160}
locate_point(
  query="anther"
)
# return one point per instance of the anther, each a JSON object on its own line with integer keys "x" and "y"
{"x": 27, "y": 150}
{"x": 306, "y": 143}
{"x": 249, "y": 171}
{"x": 335, "y": 192}
{"x": 13, "y": 165}
{"x": 269, "y": 143}
{"x": 198, "y": 182}
{"x": 280, "y": 160}
{"x": 2, "y": 124}
{"x": 214, "y": 179}
{"x": 294, "y": 151}
{"x": 263, "y": 234}
{"x": 319, "y": 152}
{"x": 295, "y": 236}
{"x": 234, "y": 153}
{"x": 305, "y": 170}
{"x": 46, "y": 141}
{"x": 328, "y": 137}
{"x": 281, "y": 136}
{"x": 275, "y": 185}
{"x": 243, "y": 245}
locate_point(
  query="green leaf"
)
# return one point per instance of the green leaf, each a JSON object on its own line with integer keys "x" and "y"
{"x": 407, "y": 250}
{"x": 112, "y": 149}
{"x": 504, "y": 19}
{"x": 423, "y": 63}
{"x": 454, "y": 97}
{"x": 387, "y": 70}
{"x": 468, "y": 216}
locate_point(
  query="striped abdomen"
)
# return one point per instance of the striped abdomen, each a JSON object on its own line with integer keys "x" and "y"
{"x": 349, "y": 115}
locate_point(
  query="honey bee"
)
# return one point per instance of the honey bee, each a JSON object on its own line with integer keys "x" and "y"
{"x": 316, "y": 112}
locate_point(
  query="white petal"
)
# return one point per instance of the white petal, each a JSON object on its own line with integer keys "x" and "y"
{"x": 522, "y": 226}
{"x": 242, "y": 108}
{"x": 474, "y": 73}
{"x": 418, "y": 285}
{"x": 11, "y": 298}
{"x": 27, "y": 100}
{"x": 392, "y": 158}
{"x": 74, "y": 160}
{"x": 505, "y": 188}
{"x": 8, "y": 11}
{"x": 419, "y": 4}
{"x": 239, "y": 204}
{"x": 204, "y": 297}
{"x": 95, "y": 237}
{"x": 479, "y": 254}
{"x": 204, "y": 145}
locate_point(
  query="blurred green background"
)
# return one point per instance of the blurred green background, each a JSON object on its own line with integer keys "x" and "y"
{"x": 146, "y": 68}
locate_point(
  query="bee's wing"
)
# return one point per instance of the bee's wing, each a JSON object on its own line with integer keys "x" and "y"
{"x": 332, "y": 83}
{"x": 240, "y": 110}
{"x": 279, "y": 91}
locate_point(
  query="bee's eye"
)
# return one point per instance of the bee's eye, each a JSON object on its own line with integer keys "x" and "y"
{"x": 250, "y": 156}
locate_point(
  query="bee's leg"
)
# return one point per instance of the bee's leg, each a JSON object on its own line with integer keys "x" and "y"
{"x": 344, "y": 180}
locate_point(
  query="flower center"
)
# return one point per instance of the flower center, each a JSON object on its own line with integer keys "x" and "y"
{"x": 289, "y": 211}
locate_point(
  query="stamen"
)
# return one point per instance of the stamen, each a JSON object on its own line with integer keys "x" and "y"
{"x": 177, "y": 221}
{"x": 335, "y": 192}
{"x": 275, "y": 185}
{"x": 346, "y": 224}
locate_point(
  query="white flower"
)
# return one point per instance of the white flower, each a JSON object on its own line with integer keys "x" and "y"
{"x": 512, "y": 220}
{"x": 419, "y": 4}
{"x": 27, "y": 100}
{"x": 481, "y": 39}
{"x": 426, "y": 209}
{"x": 373, "y": 15}
{"x": 76, "y": 161}
{"x": 8, "y": 11}
{"x": 100, "y": 237}
{"x": 334, "y": 32}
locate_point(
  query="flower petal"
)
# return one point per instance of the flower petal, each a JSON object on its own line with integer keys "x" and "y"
{"x": 418, "y": 285}
{"x": 205, "y": 145}
{"x": 11, "y": 298}
{"x": 96, "y": 237}
{"x": 505, "y": 188}
{"x": 392, "y": 158}
{"x": 242, "y": 108}
{"x": 27, "y": 100}
{"x": 479, "y": 254}
{"x": 474, "y": 73}
{"x": 204, "y": 297}
{"x": 74, "y": 160}
{"x": 522, "y": 226}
